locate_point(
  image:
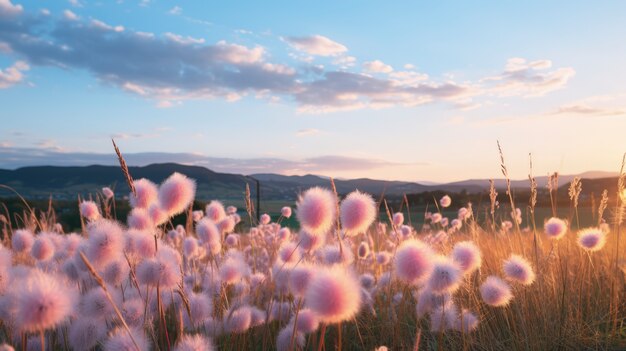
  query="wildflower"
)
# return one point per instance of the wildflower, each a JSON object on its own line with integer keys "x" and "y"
{"x": 413, "y": 263}
{"x": 467, "y": 255}
{"x": 591, "y": 239}
{"x": 555, "y": 228}
{"x": 215, "y": 211}
{"x": 518, "y": 269}
{"x": 495, "y": 292}
{"x": 89, "y": 210}
{"x": 358, "y": 211}
{"x": 176, "y": 193}
{"x": 334, "y": 295}
{"x": 145, "y": 193}
{"x": 316, "y": 210}
{"x": 445, "y": 201}
{"x": 42, "y": 301}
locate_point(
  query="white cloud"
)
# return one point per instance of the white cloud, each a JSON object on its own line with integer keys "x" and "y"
{"x": 528, "y": 79}
{"x": 587, "y": 110}
{"x": 345, "y": 61}
{"x": 101, "y": 25}
{"x": 69, "y": 15}
{"x": 9, "y": 9}
{"x": 75, "y": 3}
{"x": 316, "y": 45}
{"x": 307, "y": 132}
{"x": 13, "y": 75}
{"x": 377, "y": 66}
{"x": 176, "y": 10}
{"x": 183, "y": 40}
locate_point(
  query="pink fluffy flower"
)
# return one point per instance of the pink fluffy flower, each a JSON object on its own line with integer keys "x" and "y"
{"x": 445, "y": 276}
{"x": 227, "y": 225}
{"x": 316, "y": 210}
{"x": 334, "y": 295}
{"x": 363, "y": 250}
{"x": 157, "y": 214}
{"x": 208, "y": 232}
{"x": 231, "y": 271}
{"x": 310, "y": 241}
{"x": 383, "y": 258}
{"x": 358, "y": 211}
{"x": 145, "y": 193}
{"x": 467, "y": 255}
{"x": 427, "y": 301}
{"x": 140, "y": 219}
{"x": 215, "y": 211}
{"x": 265, "y": 219}
{"x": 555, "y": 228}
{"x": 518, "y": 269}
{"x": 414, "y": 261}
{"x": 43, "y": 248}
{"x": 300, "y": 278}
{"x": 239, "y": 320}
{"x": 289, "y": 252}
{"x": 89, "y": 210}
{"x": 42, "y": 301}
{"x": 232, "y": 240}
{"x": 176, "y": 193}
{"x": 163, "y": 270}
{"x": 285, "y": 212}
{"x": 107, "y": 192}
{"x": 591, "y": 239}
{"x": 307, "y": 321}
{"x": 22, "y": 240}
{"x": 195, "y": 342}
{"x": 120, "y": 340}
{"x": 445, "y": 201}
{"x": 284, "y": 234}
{"x": 435, "y": 217}
{"x": 495, "y": 292}
{"x": 398, "y": 219}
{"x": 105, "y": 242}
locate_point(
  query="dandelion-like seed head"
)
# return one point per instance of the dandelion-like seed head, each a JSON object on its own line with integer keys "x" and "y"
{"x": 146, "y": 193}
{"x": 89, "y": 210}
{"x": 334, "y": 294}
{"x": 43, "y": 301}
{"x": 215, "y": 211}
{"x": 445, "y": 201}
{"x": 316, "y": 210}
{"x": 518, "y": 269}
{"x": 176, "y": 193}
{"x": 413, "y": 262}
{"x": 495, "y": 292}
{"x": 591, "y": 239}
{"x": 555, "y": 228}
{"x": 467, "y": 255}
{"x": 358, "y": 211}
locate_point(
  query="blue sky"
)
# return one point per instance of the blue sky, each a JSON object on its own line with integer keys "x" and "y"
{"x": 404, "y": 90}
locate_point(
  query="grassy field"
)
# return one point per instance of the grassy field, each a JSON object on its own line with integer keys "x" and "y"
{"x": 229, "y": 282}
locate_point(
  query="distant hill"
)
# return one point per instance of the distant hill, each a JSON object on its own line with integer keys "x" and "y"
{"x": 542, "y": 181}
{"x": 68, "y": 182}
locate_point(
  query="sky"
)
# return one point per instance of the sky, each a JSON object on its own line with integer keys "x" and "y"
{"x": 404, "y": 90}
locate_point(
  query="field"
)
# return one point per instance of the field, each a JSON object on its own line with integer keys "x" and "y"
{"x": 339, "y": 273}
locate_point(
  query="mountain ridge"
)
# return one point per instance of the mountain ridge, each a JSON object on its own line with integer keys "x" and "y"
{"x": 68, "y": 181}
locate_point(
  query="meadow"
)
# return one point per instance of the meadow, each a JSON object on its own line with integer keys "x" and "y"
{"x": 329, "y": 272}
